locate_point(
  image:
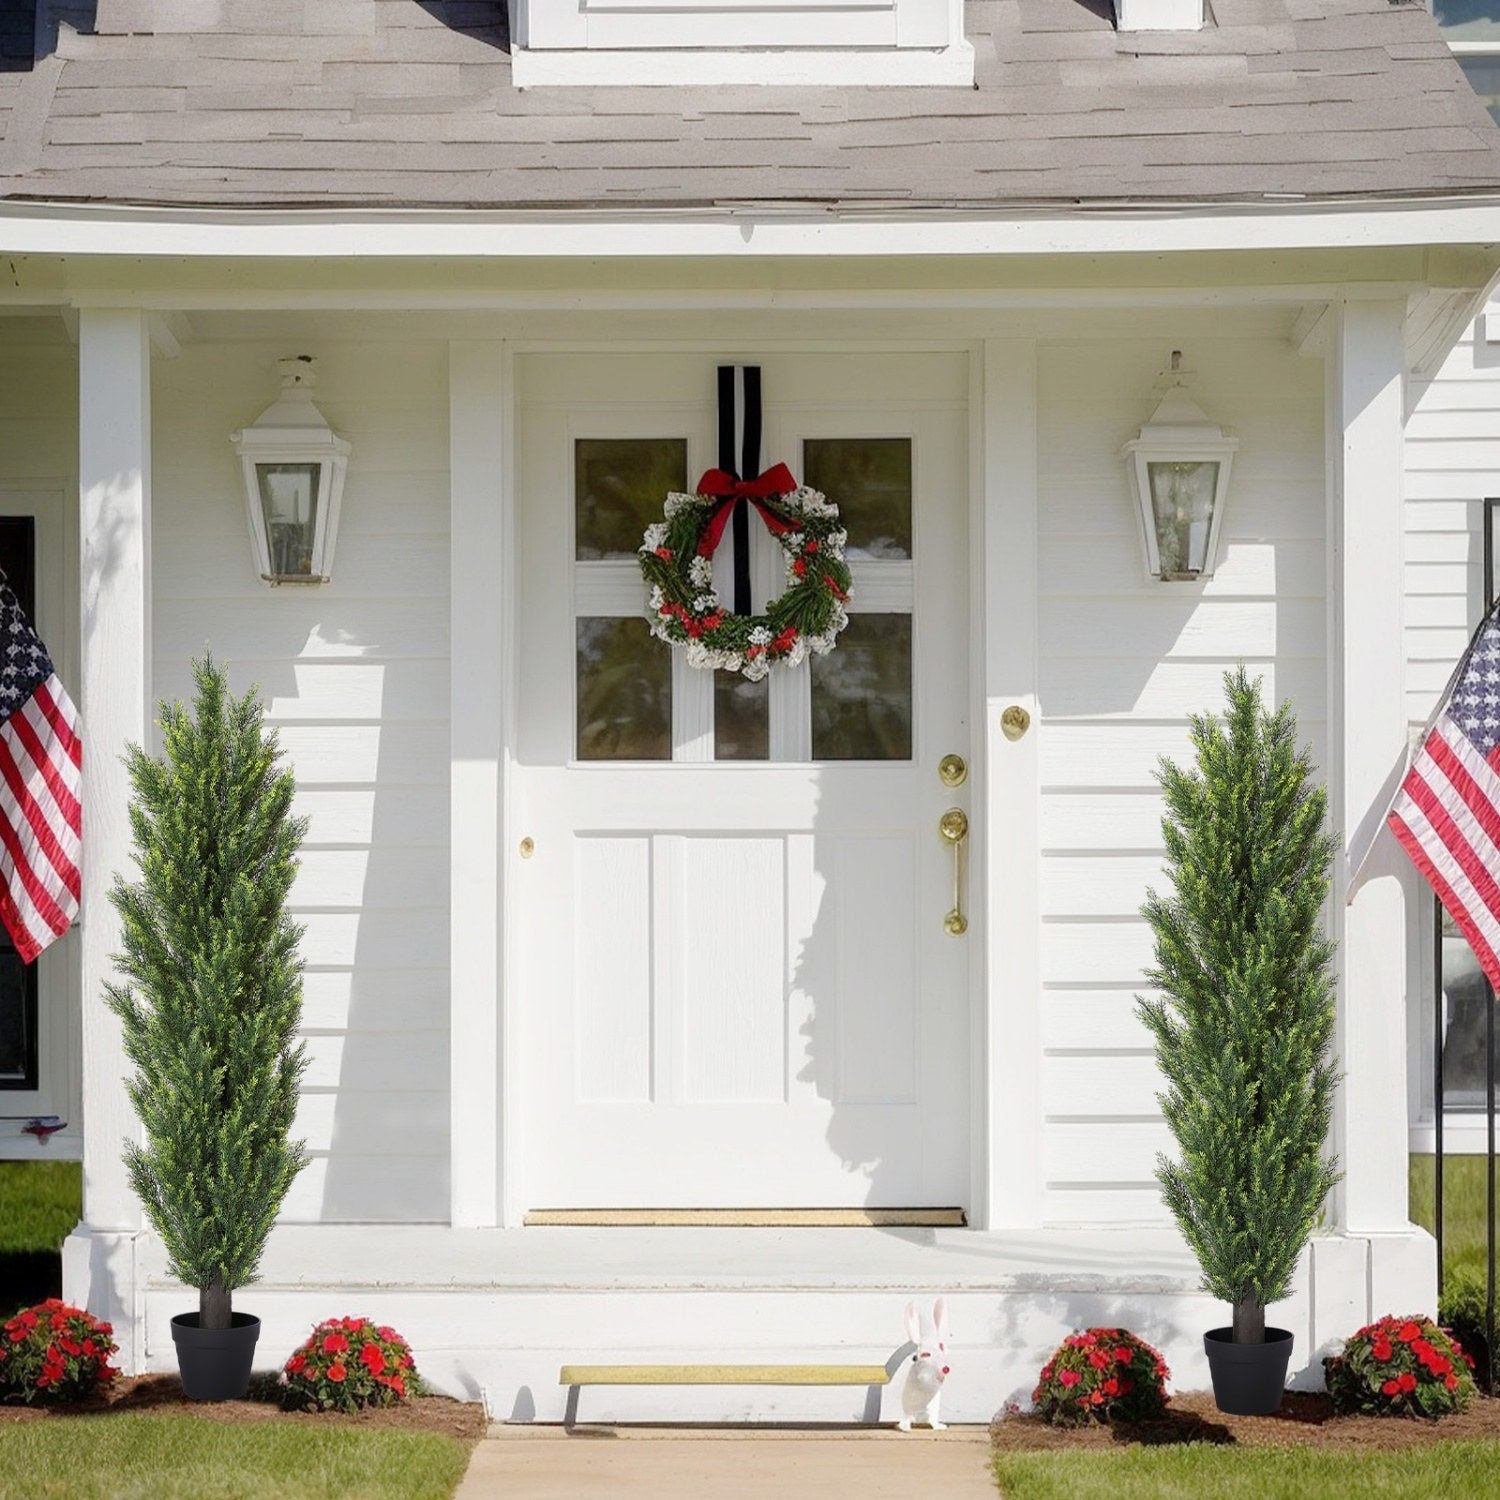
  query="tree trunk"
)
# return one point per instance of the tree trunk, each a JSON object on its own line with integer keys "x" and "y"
{"x": 214, "y": 1307}
{"x": 1249, "y": 1320}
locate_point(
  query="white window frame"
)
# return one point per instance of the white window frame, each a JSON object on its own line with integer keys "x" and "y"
{"x": 817, "y": 42}
{"x": 58, "y": 998}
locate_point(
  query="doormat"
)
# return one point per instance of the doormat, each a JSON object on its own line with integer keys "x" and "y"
{"x": 752, "y": 1218}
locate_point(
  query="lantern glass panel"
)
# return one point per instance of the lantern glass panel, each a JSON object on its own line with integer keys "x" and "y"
{"x": 289, "y": 498}
{"x": 1182, "y": 510}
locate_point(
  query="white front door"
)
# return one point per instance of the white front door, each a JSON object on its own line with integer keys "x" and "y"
{"x": 734, "y": 983}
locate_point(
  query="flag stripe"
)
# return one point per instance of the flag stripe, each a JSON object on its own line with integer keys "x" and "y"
{"x": 20, "y": 802}
{"x": 48, "y": 766}
{"x": 1452, "y": 838}
{"x": 1421, "y": 852}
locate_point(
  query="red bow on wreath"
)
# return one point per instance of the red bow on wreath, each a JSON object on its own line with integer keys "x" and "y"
{"x": 716, "y": 482}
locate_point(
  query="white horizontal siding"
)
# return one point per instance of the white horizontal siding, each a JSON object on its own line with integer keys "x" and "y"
{"x": 1124, "y": 662}
{"x": 354, "y": 675}
{"x": 1452, "y": 463}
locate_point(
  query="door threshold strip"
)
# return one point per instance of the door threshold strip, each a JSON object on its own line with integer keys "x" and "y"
{"x": 751, "y": 1218}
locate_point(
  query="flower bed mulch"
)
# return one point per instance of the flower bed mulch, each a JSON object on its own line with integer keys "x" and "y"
{"x": 162, "y": 1395}
{"x": 1306, "y": 1419}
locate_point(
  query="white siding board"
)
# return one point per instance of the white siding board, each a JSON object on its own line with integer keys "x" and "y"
{"x": 1134, "y": 1204}
{"x": 1171, "y": 627}
{"x": 1095, "y": 885}
{"x": 1135, "y": 687}
{"x": 354, "y": 675}
{"x": 1108, "y": 822}
{"x": 385, "y": 1062}
{"x": 1083, "y": 1087}
{"x": 1113, "y": 1152}
{"x": 1094, "y": 1020}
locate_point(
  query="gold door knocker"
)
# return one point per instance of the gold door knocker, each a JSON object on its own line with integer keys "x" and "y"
{"x": 954, "y": 828}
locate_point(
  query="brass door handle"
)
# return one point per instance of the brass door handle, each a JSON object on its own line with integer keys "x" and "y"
{"x": 953, "y": 826}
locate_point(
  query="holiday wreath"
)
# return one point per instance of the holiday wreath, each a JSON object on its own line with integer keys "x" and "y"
{"x": 677, "y": 562}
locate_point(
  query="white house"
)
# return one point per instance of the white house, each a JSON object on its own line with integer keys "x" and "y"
{"x": 587, "y": 929}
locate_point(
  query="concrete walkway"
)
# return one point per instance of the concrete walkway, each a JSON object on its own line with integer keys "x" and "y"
{"x": 655, "y": 1463}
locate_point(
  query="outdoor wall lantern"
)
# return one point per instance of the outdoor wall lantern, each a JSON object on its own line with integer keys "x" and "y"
{"x": 294, "y": 465}
{"x": 1179, "y": 472}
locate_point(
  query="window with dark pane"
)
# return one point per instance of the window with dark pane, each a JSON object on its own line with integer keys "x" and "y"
{"x": 19, "y": 1051}
{"x": 619, "y": 485}
{"x": 624, "y": 691}
{"x": 869, "y": 479}
{"x": 861, "y": 692}
{"x": 742, "y": 717}
{"x": 1474, "y": 25}
{"x": 1463, "y": 993}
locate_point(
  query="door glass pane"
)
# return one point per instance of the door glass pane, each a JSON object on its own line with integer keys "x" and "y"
{"x": 861, "y": 692}
{"x": 619, "y": 485}
{"x": 624, "y": 691}
{"x": 869, "y": 479}
{"x": 742, "y": 720}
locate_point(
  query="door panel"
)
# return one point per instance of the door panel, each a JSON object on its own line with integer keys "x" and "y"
{"x": 735, "y": 989}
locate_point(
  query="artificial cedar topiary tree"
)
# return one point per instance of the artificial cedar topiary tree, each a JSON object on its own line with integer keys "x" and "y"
{"x": 213, "y": 988}
{"x": 1246, "y": 1013}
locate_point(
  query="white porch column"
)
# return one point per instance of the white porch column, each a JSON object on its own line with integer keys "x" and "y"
{"x": 114, "y": 500}
{"x": 477, "y": 405}
{"x": 1009, "y": 1088}
{"x": 1367, "y": 739}
{"x": 114, "y": 493}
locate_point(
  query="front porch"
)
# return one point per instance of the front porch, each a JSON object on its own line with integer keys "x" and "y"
{"x": 394, "y": 690}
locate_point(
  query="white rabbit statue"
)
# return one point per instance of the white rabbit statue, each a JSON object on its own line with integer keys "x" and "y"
{"x": 928, "y": 1370}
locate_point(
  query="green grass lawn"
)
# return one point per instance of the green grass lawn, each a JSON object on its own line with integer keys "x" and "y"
{"x": 1439, "y": 1472}
{"x": 139, "y": 1457}
{"x": 40, "y": 1202}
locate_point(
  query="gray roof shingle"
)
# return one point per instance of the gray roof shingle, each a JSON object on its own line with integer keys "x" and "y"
{"x": 397, "y": 103}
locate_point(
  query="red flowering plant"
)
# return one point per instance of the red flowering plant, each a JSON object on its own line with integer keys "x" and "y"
{"x": 349, "y": 1363}
{"x": 1104, "y": 1375}
{"x": 1400, "y": 1367}
{"x": 53, "y": 1352}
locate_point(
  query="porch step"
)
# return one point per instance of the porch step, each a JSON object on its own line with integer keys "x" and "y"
{"x": 749, "y": 1218}
{"x": 723, "y": 1375}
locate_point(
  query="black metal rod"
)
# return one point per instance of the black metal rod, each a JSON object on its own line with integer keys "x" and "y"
{"x": 1489, "y": 1180}
{"x": 1437, "y": 1085}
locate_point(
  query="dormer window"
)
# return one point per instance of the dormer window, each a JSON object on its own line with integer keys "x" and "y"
{"x": 642, "y": 42}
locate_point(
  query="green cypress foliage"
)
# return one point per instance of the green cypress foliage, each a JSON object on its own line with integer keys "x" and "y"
{"x": 1246, "y": 1017}
{"x": 213, "y": 987}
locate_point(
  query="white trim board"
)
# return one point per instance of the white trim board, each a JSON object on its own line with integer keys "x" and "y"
{"x": 844, "y": 67}
{"x": 55, "y": 229}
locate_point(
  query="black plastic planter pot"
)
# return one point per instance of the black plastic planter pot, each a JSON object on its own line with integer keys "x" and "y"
{"x": 215, "y": 1362}
{"x": 1248, "y": 1378}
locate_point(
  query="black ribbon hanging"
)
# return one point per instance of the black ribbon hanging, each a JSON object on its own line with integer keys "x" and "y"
{"x": 739, "y": 454}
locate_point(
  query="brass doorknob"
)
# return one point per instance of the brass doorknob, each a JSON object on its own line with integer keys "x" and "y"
{"x": 953, "y": 827}
{"x": 953, "y": 770}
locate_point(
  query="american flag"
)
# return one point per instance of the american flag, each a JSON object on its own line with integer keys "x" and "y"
{"x": 1447, "y": 813}
{"x": 41, "y": 774}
